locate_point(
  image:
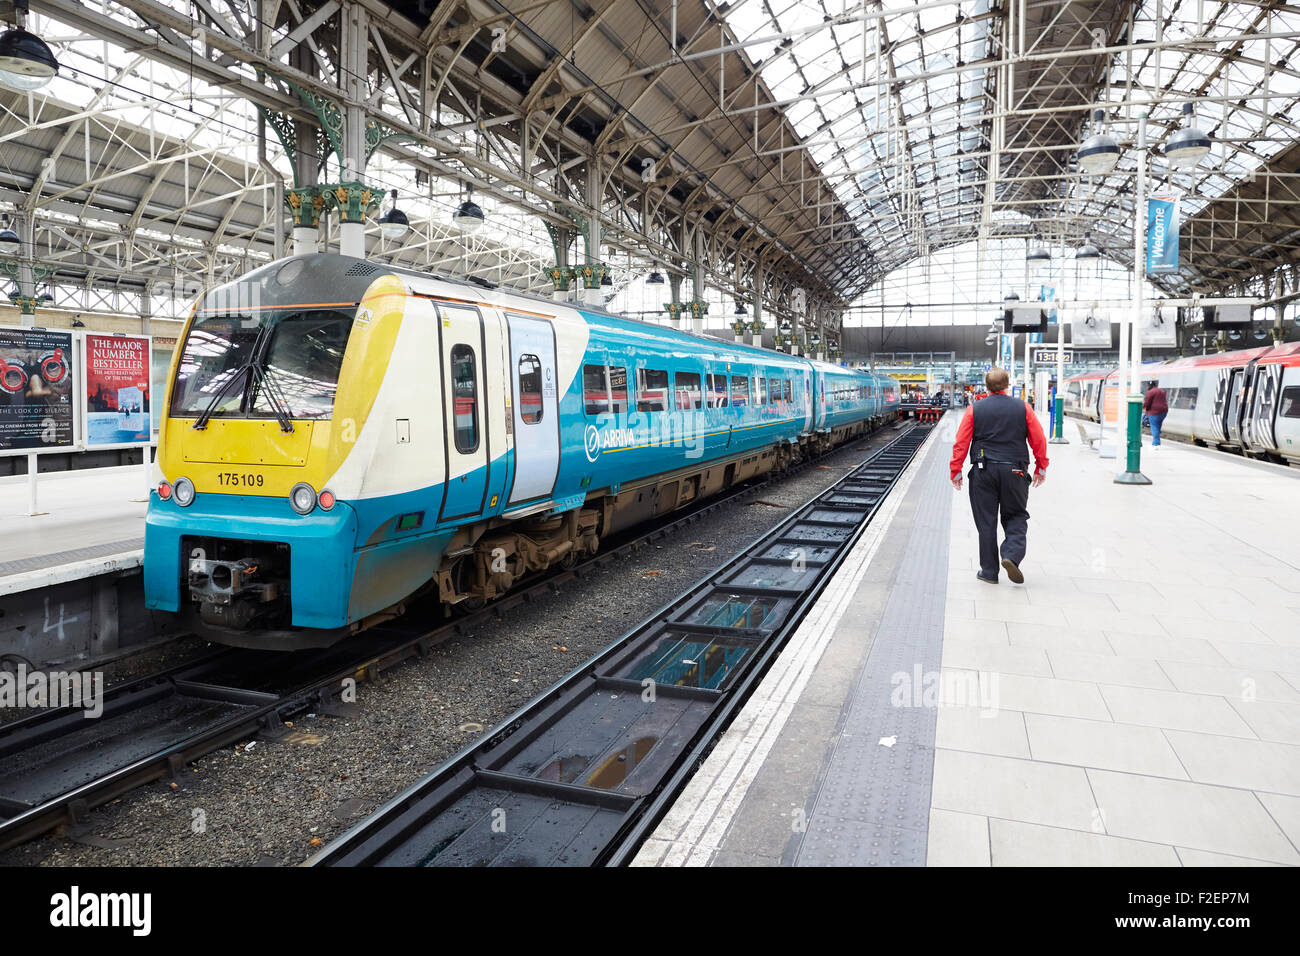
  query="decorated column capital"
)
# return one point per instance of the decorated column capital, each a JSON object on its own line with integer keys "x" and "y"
{"x": 591, "y": 274}
{"x": 674, "y": 310}
{"x": 306, "y": 203}
{"x": 698, "y": 308}
{"x": 352, "y": 199}
{"x": 560, "y": 277}
{"x": 26, "y": 303}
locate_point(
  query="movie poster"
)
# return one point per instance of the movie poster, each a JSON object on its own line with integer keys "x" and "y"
{"x": 36, "y": 405}
{"x": 117, "y": 390}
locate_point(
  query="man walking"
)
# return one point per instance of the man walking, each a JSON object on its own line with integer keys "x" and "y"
{"x": 1155, "y": 406}
{"x": 995, "y": 432}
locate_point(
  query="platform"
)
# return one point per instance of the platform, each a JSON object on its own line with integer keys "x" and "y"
{"x": 1135, "y": 702}
{"x": 92, "y": 521}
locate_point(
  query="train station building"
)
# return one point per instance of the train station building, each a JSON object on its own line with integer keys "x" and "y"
{"x": 464, "y": 432}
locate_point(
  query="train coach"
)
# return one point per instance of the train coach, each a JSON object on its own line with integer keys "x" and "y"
{"x": 1247, "y": 401}
{"x": 341, "y": 436}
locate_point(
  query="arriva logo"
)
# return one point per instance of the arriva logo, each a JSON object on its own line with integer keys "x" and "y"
{"x": 597, "y": 441}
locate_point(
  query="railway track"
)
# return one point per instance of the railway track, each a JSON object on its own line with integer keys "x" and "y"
{"x": 581, "y": 775}
{"x": 55, "y": 766}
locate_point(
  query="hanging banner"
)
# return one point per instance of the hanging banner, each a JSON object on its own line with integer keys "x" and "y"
{"x": 1008, "y": 351}
{"x": 36, "y": 397}
{"x": 1162, "y": 235}
{"x": 1048, "y": 294}
{"x": 117, "y": 390}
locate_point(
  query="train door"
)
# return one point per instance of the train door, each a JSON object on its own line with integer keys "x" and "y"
{"x": 808, "y": 400}
{"x": 1236, "y": 393}
{"x": 1224, "y": 388}
{"x": 536, "y": 408}
{"x": 466, "y": 441}
{"x": 1259, "y": 417}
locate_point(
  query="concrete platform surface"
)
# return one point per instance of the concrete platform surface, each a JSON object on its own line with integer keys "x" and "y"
{"x": 1135, "y": 702}
{"x": 92, "y": 520}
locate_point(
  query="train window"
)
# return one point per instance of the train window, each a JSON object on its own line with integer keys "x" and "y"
{"x": 1290, "y": 407}
{"x": 788, "y": 391}
{"x": 1183, "y": 398}
{"x": 739, "y": 390}
{"x": 760, "y": 390}
{"x": 717, "y": 391}
{"x": 688, "y": 390}
{"x": 595, "y": 390}
{"x": 651, "y": 390}
{"x": 617, "y": 389}
{"x": 464, "y": 390}
{"x": 530, "y": 389}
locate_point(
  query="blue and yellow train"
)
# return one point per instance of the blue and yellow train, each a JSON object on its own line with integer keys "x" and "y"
{"x": 341, "y": 436}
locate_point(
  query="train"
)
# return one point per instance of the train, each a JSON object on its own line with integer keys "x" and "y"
{"x": 1246, "y": 401}
{"x": 341, "y": 437}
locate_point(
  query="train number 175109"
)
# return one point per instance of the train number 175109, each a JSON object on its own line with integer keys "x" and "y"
{"x": 233, "y": 478}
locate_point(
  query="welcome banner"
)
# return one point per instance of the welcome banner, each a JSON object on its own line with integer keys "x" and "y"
{"x": 1162, "y": 235}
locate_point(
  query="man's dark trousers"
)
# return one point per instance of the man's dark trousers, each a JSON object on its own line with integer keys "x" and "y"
{"x": 993, "y": 488}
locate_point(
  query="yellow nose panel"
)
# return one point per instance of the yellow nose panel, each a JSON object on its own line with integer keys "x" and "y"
{"x": 243, "y": 442}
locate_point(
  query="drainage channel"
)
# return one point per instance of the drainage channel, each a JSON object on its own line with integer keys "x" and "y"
{"x": 579, "y": 776}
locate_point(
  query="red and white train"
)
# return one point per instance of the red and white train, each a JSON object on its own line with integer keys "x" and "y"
{"x": 1246, "y": 401}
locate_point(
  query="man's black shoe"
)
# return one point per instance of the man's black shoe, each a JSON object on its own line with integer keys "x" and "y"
{"x": 985, "y": 578}
{"x": 1013, "y": 572}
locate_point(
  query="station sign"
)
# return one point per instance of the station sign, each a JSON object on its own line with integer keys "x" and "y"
{"x": 1048, "y": 356}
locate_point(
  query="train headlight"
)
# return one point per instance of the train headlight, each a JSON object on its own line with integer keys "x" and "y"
{"x": 326, "y": 500}
{"x": 183, "y": 492}
{"x": 303, "y": 498}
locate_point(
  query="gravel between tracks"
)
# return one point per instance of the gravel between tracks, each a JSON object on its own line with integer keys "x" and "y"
{"x": 260, "y": 803}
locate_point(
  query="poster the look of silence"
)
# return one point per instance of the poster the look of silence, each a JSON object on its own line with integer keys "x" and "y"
{"x": 117, "y": 390}
{"x": 36, "y": 396}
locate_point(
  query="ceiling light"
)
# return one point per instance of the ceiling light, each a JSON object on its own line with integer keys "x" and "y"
{"x": 740, "y": 309}
{"x": 469, "y": 216}
{"x": 26, "y": 62}
{"x": 654, "y": 278}
{"x": 1099, "y": 153}
{"x": 393, "y": 224}
{"x": 1187, "y": 146}
{"x": 9, "y": 242}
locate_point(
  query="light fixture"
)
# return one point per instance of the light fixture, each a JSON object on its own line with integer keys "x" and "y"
{"x": 9, "y": 241}
{"x": 183, "y": 492}
{"x": 469, "y": 216}
{"x": 1087, "y": 250}
{"x": 1038, "y": 252}
{"x": 605, "y": 280}
{"x": 45, "y": 298}
{"x": 393, "y": 224}
{"x": 303, "y": 498}
{"x": 1195, "y": 342}
{"x": 1099, "y": 153}
{"x": 1189, "y": 145}
{"x": 1234, "y": 335}
{"x": 655, "y": 278}
{"x": 1260, "y": 335}
{"x": 740, "y": 309}
{"x": 26, "y": 61}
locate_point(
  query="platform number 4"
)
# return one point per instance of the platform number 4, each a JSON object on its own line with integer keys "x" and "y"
{"x": 499, "y": 820}
{"x": 798, "y": 821}
{"x": 798, "y": 560}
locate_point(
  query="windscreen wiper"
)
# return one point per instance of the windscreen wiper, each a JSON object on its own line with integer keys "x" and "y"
{"x": 271, "y": 390}
{"x": 202, "y": 421}
{"x": 241, "y": 375}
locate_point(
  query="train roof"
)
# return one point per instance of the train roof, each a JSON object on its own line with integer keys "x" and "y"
{"x": 1287, "y": 354}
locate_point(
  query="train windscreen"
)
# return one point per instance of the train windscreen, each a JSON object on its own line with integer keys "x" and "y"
{"x": 244, "y": 366}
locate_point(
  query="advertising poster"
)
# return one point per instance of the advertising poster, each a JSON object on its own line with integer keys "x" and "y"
{"x": 117, "y": 390}
{"x": 36, "y": 396}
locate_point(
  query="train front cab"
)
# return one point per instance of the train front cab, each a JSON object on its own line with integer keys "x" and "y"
{"x": 305, "y": 450}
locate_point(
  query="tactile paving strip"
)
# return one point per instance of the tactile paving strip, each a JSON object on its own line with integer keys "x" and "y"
{"x": 42, "y": 561}
{"x": 872, "y": 805}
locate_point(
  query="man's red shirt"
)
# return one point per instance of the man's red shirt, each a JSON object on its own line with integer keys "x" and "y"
{"x": 961, "y": 447}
